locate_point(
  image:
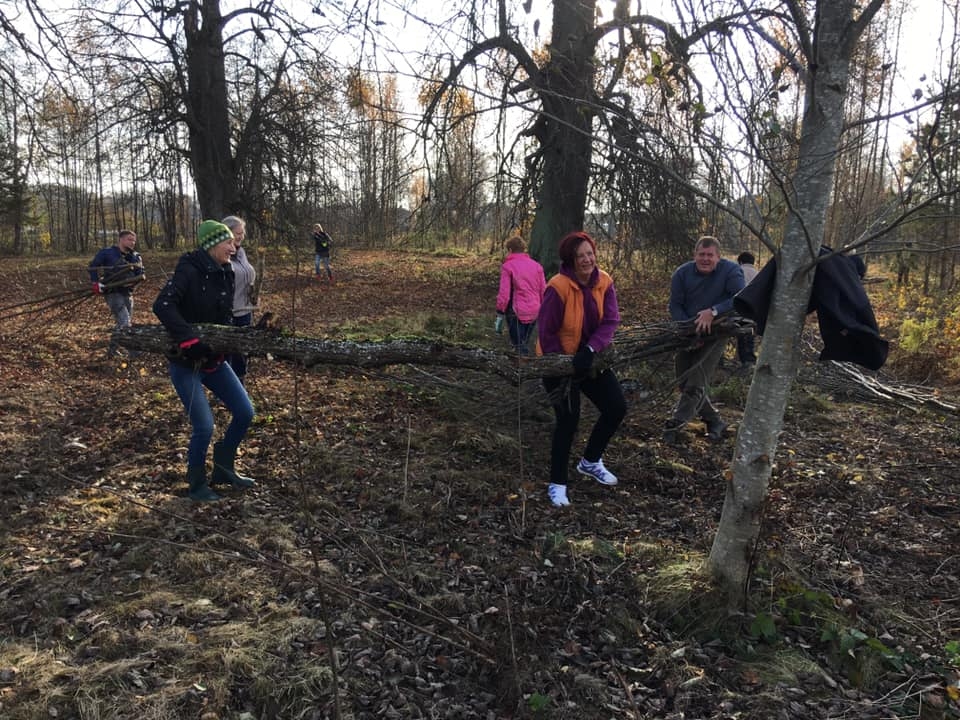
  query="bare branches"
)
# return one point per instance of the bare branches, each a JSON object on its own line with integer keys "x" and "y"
{"x": 59, "y": 300}
{"x": 847, "y": 380}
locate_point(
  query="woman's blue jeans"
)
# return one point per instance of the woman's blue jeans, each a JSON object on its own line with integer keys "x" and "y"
{"x": 223, "y": 383}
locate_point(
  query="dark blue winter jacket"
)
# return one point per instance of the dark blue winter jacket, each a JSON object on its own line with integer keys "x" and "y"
{"x": 199, "y": 291}
{"x": 111, "y": 266}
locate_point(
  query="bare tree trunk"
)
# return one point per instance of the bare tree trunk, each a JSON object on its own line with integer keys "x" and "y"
{"x": 810, "y": 190}
{"x": 564, "y": 130}
{"x": 208, "y": 117}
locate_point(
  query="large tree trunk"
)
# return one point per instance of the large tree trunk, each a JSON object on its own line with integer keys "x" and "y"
{"x": 564, "y": 129}
{"x": 208, "y": 118}
{"x": 810, "y": 188}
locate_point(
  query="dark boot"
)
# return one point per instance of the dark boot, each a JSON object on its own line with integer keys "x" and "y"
{"x": 199, "y": 488}
{"x": 716, "y": 429}
{"x": 223, "y": 472}
{"x": 671, "y": 431}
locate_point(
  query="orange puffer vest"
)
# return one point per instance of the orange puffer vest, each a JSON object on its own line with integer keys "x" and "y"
{"x": 572, "y": 296}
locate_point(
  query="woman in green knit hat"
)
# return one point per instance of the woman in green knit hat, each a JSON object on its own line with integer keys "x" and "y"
{"x": 201, "y": 291}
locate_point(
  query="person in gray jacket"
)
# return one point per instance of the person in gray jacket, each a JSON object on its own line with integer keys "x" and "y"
{"x": 245, "y": 279}
{"x": 746, "y": 345}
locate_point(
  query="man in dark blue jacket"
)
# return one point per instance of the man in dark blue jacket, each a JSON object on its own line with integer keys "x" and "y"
{"x": 700, "y": 290}
{"x": 114, "y": 273}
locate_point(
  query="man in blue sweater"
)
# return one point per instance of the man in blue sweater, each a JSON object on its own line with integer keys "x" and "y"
{"x": 700, "y": 290}
{"x": 114, "y": 272}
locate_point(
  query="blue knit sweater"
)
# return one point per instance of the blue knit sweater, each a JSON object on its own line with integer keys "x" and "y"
{"x": 691, "y": 292}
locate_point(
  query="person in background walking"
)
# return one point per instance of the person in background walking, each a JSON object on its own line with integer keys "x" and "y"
{"x": 321, "y": 244}
{"x": 521, "y": 291}
{"x": 745, "y": 343}
{"x": 201, "y": 291}
{"x": 578, "y": 317}
{"x": 700, "y": 290}
{"x": 244, "y": 276}
{"x": 114, "y": 273}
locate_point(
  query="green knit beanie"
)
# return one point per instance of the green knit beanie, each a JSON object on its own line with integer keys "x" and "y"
{"x": 212, "y": 233}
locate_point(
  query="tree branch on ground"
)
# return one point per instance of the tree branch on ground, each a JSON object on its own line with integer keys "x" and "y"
{"x": 633, "y": 344}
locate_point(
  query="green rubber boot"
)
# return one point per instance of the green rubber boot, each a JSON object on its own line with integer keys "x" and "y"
{"x": 223, "y": 468}
{"x": 199, "y": 488}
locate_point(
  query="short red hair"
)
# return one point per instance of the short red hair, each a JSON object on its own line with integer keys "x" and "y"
{"x": 567, "y": 250}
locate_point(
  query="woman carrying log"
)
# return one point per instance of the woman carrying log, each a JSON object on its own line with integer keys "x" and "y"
{"x": 201, "y": 291}
{"x": 578, "y": 317}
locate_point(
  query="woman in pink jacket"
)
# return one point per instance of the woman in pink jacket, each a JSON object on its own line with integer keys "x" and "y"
{"x": 521, "y": 291}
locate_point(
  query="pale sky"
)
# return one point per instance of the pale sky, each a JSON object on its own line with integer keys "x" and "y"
{"x": 927, "y": 35}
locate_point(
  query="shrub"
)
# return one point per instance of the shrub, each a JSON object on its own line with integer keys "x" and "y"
{"x": 918, "y": 336}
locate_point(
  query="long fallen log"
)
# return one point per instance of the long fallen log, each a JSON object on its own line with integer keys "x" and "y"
{"x": 632, "y": 343}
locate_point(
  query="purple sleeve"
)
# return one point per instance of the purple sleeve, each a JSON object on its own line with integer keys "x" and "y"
{"x": 603, "y": 336}
{"x": 549, "y": 322}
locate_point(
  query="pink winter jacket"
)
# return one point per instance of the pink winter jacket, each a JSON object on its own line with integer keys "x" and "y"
{"x": 521, "y": 285}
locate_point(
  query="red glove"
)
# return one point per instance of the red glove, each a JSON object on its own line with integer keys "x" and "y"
{"x": 196, "y": 350}
{"x": 98, "y": 288}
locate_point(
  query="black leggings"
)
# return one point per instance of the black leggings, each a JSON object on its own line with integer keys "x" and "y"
{"x": 605, "y": 393}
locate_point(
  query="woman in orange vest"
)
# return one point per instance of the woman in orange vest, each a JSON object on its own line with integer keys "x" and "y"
{"x": 578, "y": 317}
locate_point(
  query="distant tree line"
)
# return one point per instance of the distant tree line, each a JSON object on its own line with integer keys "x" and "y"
{"x": 156, "y": 115}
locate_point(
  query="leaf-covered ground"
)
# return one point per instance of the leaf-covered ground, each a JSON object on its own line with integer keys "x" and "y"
{"x": 399, "y": 558}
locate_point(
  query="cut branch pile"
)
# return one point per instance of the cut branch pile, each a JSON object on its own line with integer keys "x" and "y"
{"x": 638, "y": 342}
{"x": 632, "y": 344}
{"x": 846, "y": 380}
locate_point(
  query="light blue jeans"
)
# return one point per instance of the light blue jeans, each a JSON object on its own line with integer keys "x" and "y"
{"x": 223, "y": 383}
{"x": 121, "y": 305}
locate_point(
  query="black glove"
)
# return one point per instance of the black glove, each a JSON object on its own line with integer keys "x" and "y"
{"x": 196, "y": 350}
{"x": 583, "y": 360}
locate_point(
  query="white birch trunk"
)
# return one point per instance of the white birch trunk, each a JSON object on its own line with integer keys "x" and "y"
{"x": 777, "y": 365}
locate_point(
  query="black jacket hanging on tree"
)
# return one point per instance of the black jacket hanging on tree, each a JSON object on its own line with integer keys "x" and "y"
{"x": 848, "y": 326}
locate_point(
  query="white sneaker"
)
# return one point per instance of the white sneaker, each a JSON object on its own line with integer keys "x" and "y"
{"x": 558, "y": 494}
{"x": 597, "y": 471}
